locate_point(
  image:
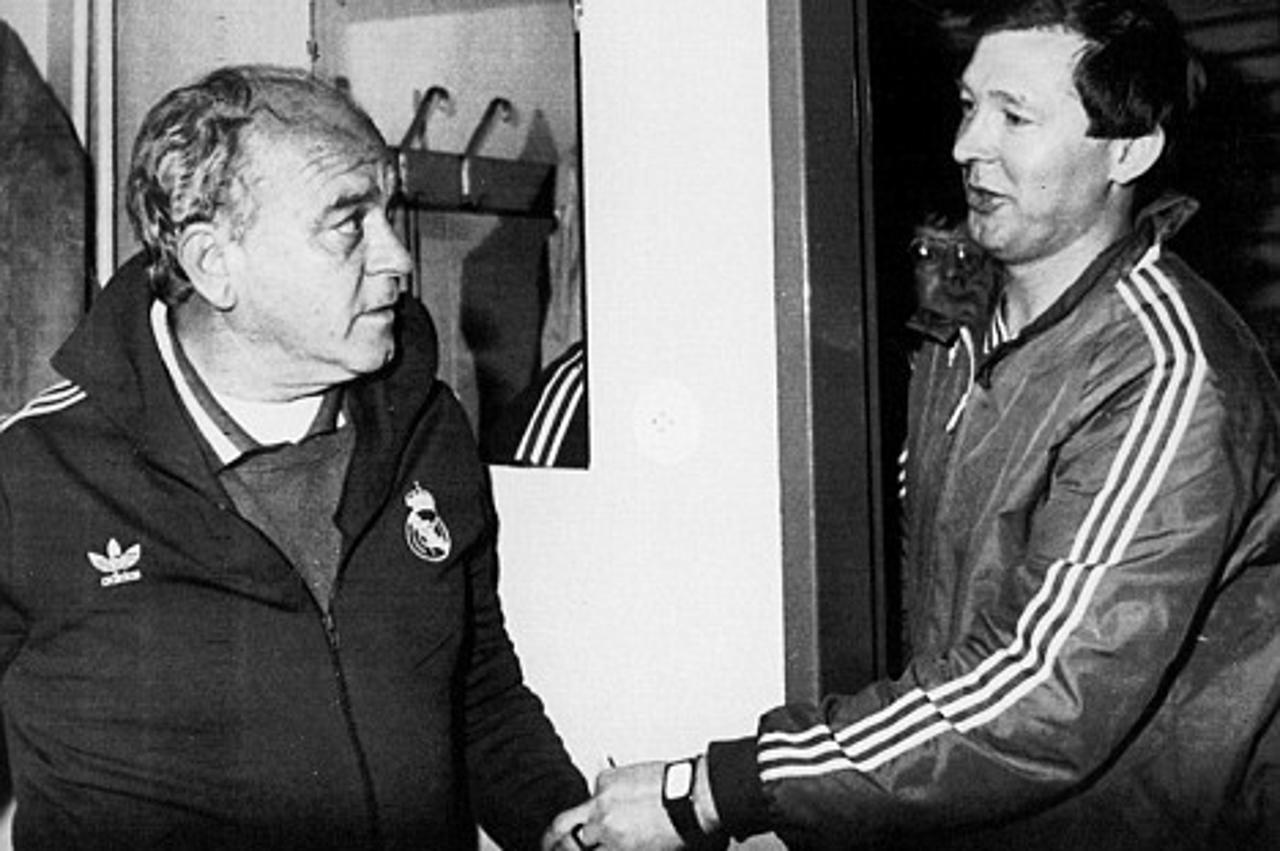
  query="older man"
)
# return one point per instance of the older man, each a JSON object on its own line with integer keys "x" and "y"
{"x": 247, "y": 569}
{"x": 1092, "y": 507}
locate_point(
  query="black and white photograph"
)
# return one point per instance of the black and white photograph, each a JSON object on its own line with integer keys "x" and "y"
{"x": 639, "y": 425}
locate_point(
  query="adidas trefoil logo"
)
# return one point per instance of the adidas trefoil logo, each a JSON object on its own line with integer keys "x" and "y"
{"x": 117, "y": 564}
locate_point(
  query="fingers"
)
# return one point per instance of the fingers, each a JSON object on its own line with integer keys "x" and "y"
{"x": 605, "y": 779}
{"x": 560, "y": 835}
{"x": 578, "y": 834}
{"x": 579, "y": 837}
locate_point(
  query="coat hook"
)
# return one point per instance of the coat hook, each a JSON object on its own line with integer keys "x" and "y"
{"x": 417, "y": 132}
{"x": 436, "y": 97}
{"x": 499, "y": 108}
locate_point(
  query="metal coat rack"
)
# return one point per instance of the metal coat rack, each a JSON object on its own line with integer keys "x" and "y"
{"x": 468, "y": 181}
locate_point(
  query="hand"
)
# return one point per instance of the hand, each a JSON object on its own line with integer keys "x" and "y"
{"x": 626, "y": 814}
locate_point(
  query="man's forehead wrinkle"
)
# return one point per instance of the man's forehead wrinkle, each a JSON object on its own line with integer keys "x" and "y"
{"x": 324, "y": 164}
{"x": 1009, "y": 82}
{"x": 363, "y": 185}
{"x": 314, "y": 155}
{"x": 318, "y": 162}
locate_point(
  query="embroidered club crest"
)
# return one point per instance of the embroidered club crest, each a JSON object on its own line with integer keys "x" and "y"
{"x": 117, "y": 564}
{"x": 424, "y": 529}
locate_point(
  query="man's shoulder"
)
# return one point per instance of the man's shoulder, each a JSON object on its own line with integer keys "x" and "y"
{"x": 1181, "y": 324}
{"x": 45, "y": 407}
{"x": 1221, "y": 331}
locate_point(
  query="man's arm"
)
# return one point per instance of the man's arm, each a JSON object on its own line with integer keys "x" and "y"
{"x": 519, "y": 773}
{"x": 1061, "y": 665}
{"x": 12, "y": 624}
{"x": 1123, "y": 542}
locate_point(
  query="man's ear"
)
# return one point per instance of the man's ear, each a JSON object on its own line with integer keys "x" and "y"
{"x": 1131, "y": 158}
{"x": 202, "y": 251}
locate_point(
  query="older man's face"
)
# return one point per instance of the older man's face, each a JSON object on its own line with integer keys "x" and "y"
{"x": 318, "y": 268}
{"x": 1035, "y": 183}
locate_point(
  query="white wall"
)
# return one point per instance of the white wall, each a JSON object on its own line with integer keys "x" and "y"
{"x": 645, "y": 594}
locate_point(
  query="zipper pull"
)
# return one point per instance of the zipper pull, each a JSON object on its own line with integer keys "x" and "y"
{"x": 331, "y": 630}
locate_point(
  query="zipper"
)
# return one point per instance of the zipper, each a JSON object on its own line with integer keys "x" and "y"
{"x": 334, "y": 641}
{"x": 954, "y": 433}
{"x": 967, "y": 339}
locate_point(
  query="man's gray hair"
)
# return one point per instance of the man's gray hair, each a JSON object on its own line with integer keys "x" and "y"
{"x": 190, "y": 162}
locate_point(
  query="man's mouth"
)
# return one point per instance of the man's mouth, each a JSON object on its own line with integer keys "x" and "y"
{"x": 982, "y": 201}
{"x": 385, "y": 311}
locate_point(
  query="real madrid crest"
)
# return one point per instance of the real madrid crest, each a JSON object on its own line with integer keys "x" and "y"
{"x": 424, "y": 529}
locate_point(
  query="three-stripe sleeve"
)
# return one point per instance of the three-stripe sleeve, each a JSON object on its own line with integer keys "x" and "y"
{"x": 64, "y": 394}
{"x": 1054, "y": 621}
{"x": 549, "y": 423}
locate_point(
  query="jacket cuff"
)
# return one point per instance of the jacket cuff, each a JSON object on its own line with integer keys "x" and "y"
{"x": 736, "y": 787}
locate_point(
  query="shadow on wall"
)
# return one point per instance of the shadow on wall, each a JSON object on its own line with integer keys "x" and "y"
{"x": 505, "y": 291}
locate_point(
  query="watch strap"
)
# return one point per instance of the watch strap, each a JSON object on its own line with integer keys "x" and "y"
{"x": 680, "y": 807}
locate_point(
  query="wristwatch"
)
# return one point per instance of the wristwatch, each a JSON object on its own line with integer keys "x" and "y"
{"x": 677, "y": 799}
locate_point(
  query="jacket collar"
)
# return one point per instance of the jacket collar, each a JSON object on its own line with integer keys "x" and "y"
{"x": 1154, "y": 224}
{"x": 113, "y": 356}
{"x": 228, "y": 439}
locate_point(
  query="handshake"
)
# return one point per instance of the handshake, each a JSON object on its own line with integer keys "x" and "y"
{"x": 649, "y": 806}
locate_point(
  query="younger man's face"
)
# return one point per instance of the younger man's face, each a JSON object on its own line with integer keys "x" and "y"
{"x": 1034, "y": 181}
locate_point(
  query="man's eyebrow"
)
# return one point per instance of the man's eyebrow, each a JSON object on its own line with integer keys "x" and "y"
{"x": 1010, "y": 98}
{"x": 345, "y": 201}
{"x": 1003, "y": 95}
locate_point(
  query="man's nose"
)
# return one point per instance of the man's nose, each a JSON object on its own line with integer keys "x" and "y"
{"x": 973, "y": 138}
{"x": 387, "y": 254}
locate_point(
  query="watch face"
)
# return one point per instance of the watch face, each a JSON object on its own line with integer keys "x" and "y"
{"x": 678, "y": 780}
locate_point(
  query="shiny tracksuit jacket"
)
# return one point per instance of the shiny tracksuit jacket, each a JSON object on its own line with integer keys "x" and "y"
{"x": 1092, "y": 594}
{"x": 168, "y": 681}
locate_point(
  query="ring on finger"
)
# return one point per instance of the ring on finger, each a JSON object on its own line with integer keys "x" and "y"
{"x": 582, "y": 844}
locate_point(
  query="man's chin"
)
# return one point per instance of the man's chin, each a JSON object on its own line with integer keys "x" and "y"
{"x": 373, "y": 359}
{"x": 996, "y": 232}
{"x": 984, "y": 232}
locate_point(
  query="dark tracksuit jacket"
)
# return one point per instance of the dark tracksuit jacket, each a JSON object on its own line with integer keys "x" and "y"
{"x": 1092, "y": 593}
{"x": 168, "y": 680}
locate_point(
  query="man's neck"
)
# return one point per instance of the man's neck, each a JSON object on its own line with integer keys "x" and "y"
{"x": 226, "y": 365}
{"x": 1032, "y": 287}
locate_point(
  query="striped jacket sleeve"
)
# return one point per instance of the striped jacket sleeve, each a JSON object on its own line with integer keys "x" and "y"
{"x": 553, "y": 414}
{"x": 14, "y": 479}
{"x": 1066, "y": 653}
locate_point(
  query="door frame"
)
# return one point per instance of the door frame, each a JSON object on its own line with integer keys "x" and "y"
{"x": 833, "y": 535}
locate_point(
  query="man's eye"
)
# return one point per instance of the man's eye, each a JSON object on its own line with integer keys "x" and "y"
{"x": 966, "y": 106}
{"x": 352, "y": 225}
{"x": 1015, "y": 119}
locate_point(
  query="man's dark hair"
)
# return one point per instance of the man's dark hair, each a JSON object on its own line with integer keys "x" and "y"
{"x": 1137, "y": 72}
